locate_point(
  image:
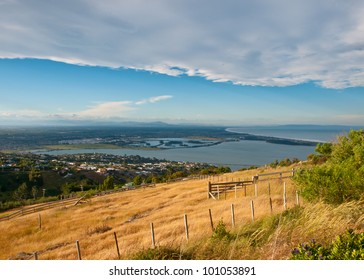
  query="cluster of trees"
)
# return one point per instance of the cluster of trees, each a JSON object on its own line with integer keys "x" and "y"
{"x": 20, "y": 188}
{"x": 284, "y": 162}
{"x": 30, "y": 188}
{"x": 340, "y": 175}
{"x": 215, "y": 170}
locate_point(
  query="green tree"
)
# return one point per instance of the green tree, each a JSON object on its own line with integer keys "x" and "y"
{"x": 35, "y": 177}
{"x": 34, "y": 192}
{"x": 155, "y": 179}
{"x": 66, "y": 188}
{"x": 25, "y": 163}
{"x": 223, "y": 169}
{"x": 274, "y": 164}
{"x": 83, "y": 183}
{"x": 138, "y": 180}
{"x": 108, "y": 183}
{"x": 205, "y": 171}
{"x": 323, "y": 153}
{"x": 21, "y": 193}
{"x": 2, "y": 163}
{"x": 324, "y": 149}
{"x": 178, "y": 174}
{"x": 285, "y": 162}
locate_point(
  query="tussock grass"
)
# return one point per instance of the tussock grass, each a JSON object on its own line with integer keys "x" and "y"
{"x": 129, "y": 214}
{"x": 273, "y": 237}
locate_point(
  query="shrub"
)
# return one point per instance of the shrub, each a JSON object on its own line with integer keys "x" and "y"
{"x": 162, "y": 253}
{"x": 221, "y": 233}
{"x": 4, "y": 206}
{"x": 341, "y": 177}
{"x": 310, "y": 251}
{"x": 285, "y": 162}
{"x": 348, "y": 246}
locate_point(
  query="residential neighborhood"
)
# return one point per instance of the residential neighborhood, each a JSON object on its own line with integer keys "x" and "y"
{"x": 25, "y": 176}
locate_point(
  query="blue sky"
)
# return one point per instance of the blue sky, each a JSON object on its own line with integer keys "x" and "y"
{"x": 205, "y": 62}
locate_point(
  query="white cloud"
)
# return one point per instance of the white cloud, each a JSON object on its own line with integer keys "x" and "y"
{"x": 273, "y": 43}
{"x": 22, "y": 114}
{"x": 154, "y": 99}
{"x": 106, "y": 110}
{"x": 99, "y": 111}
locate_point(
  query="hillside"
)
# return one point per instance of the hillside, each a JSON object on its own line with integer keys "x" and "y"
{"x": 130, "y": 213}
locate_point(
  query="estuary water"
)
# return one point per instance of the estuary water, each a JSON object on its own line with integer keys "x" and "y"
{"x": 235, "y": 154}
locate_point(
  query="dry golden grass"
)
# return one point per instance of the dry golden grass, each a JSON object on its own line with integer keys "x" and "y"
{"x": 129, "y": 214}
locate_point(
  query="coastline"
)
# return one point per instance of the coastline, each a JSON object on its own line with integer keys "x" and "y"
{"x": 274, "y": 139}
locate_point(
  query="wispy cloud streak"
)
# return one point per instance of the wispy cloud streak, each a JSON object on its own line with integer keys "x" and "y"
{"x": 154, "y": 99}
{"x": 98, "y": 111}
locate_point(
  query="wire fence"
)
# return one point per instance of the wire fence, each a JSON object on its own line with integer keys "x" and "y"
{"x": 265, "y": 203}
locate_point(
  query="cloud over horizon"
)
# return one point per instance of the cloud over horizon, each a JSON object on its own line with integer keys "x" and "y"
{"x": 105, "y": 110}
{"x": 267, "y": 43}
{"x": 110, "y": 110}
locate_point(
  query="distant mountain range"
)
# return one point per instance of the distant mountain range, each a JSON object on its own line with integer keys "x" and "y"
{"x": 303, "y": 127}
{"x": 165, "y": 124}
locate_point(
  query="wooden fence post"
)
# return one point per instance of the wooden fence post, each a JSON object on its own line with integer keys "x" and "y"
{"x": 256, "y": 190}
{"x": 40, "y": 221}
{"x": 153, "y": 236}
{"x": 117, "y": 245}
{"x": 252, "y": 209}
{"x": 232, "y": 215}
{"x": 271, "y": 205}
{"x": 297, "y": 198}
{"x": 284, "y": 196}
{"x": 186, "y": 227}
{"x": 235, "y": 191}
{"x": 245, "y": 190}
{"x": 211, "y": 222}
{"x": 36, "y": 256}
{"x": 269, "y": 189}
{"x": 255, "y": 178}
{"x": 218, "y": 192}
{"x": 78, "y": 250}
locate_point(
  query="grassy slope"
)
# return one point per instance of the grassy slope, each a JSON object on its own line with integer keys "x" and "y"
{"x": 129, "y": 214}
